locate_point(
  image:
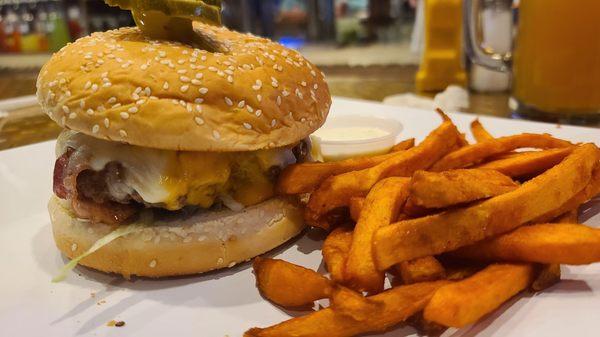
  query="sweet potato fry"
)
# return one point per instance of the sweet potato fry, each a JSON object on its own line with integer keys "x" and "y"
{"x": 449, "y": 230}
{"x": 356, "y": 205}
{"x": 398, "y": 304}
{"x": 527, "y": 163}
{"x": 305, "y": 177}
{"x": 335, "y": 252}
{"x": 420, "y": 270}
{"x": 542, "y": 243}
{"x": 289, "y": 285}
{"x": 425, "y": 327}
{"x": 571, "y": 216}
{"x": 403, "y": 145}
{"x": 351, "y": 303}
{"x": 591, "y": 190}
{"x": 381, "y": 207}
{"x": 476, "y": 153}
{"x": 336, "y": 191}
{"x": 465, "y": 302}
{"x": 443, "y": 189}
{"x": 547, "y": 276}
{"x": 479, "y": 132}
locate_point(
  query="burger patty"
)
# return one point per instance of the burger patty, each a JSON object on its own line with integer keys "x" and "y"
{"x": 99, "y": 195}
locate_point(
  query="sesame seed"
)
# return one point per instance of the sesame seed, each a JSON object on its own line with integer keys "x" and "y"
{"x": 181, "y": 61}
{"x": 135, "y": 96}
{"x": 72, "y": 115}
{"x": 166, "y": 86}
{"x": 198, "y": 100}
{"x": 258, "y": 113}
{"x": 181, "y": 71}
{"x": 199, "y": 120}
{"x": 140, "y": 102}
{"x": 220, "y": 73}
{"x": 116, "y": 105}
{"x": 94, "y": 87}
{"x": 230, "y": 79}
{"x": 196, "y": 82}
{"x": 188, "y": 107}
{"x": 316, "y": 86}
{"x": 112, "y": 100}
{"x": 133, "y": 109}
{"x": 198, "y": 108}
{"x": 73, "y": 247}
{"x": 274, "y": 84}
{"x": 147, "y": 91}
{"x": 89, "y": 112}
{"x": 124, "y": 115}
{"x": 247, "y": 126}
{"x": 152, "y": 264}
{"x": 138, "y": 90}
{"x": 125, "y": 65}
{"x": 220, "y": 260}
{"x": 228, "y": 101}
{"x": 88, "y": 84}
{"x": 81, "y": 103}
{"x": 249, "y": 108}
{"x": 213, "y": 69}
{"x": 285, "y": 93}
{"x": 216, "y": 134}
{"x": 184, "y": 79}
{"x": 106, "y": 122}
{"x": 95, "y": 128}
{"x": 144, "y": 66}
{"x": 65, "y": 109}
{"x": 162, "y": 53}
{"x": 199, "y": 75}
{"x": 278, "y": 100}
{"x": 107, "y": 84}
{"x": 184, "y": 88}
{"x": 123, "y": 133}
{"x": 312, "y": 72}
{"x": 259, "y": 98}
{"x": 241, "y": 104}
{"x": 182, "y": 103}
{"x": 273, "y": 123}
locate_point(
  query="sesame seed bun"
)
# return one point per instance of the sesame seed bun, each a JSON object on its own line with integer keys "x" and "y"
{"x": 120, "y": 85}
{"x": 193, "y": 245}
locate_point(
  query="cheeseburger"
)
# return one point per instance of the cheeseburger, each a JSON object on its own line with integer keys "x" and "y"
{"x": 174, "y": 150}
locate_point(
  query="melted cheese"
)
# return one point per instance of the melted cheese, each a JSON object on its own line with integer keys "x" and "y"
{"x": 173, "y": 179}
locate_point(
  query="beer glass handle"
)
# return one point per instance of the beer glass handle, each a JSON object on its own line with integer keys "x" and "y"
{"x": 477, "y": 53}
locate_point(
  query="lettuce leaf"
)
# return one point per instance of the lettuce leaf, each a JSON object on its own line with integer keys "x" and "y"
{"x": 108, "y": 238}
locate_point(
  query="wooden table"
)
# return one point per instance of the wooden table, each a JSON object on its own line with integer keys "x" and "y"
{"x": 372, "y": 83}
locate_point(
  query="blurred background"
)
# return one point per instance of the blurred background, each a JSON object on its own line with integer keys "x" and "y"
{"x": 402, "y": 52}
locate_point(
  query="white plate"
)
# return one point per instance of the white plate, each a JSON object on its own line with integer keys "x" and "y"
{"x": 226, "y": 303}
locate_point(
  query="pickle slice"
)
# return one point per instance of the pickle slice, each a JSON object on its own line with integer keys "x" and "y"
{"x": 171, "y": 19}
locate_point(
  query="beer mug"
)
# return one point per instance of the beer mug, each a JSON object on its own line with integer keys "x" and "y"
{"x": 555, "y": 61}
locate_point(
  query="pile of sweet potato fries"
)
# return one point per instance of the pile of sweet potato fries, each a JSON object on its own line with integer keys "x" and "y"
{"x": 457, "y": 228}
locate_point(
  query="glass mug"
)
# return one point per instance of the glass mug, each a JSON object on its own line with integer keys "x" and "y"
{"x": 555, "y": 61}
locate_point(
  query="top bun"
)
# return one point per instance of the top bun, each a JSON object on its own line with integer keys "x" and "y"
{"x": 123, "y": 86}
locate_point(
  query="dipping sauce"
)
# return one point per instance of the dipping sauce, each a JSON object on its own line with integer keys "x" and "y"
{"x": 347, "y": 136}
{"x": 350, "y": 133}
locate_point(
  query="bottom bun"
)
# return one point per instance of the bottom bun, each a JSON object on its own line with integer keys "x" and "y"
{"x": 183, "y": 245}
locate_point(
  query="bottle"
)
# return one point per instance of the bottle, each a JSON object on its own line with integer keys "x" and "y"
{"x": 11, "y": 29}
{"x": 29, "y": 40}
{"x": 74, "y": 22}
{"x": 59, "y": 33}
{"x": 41, "y": 22}
{"x": 2, "y": 34}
